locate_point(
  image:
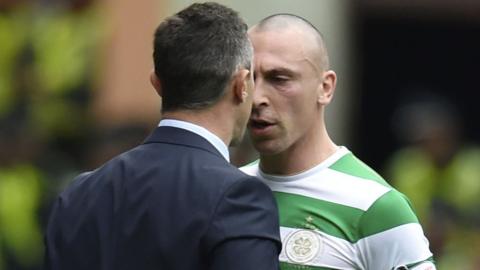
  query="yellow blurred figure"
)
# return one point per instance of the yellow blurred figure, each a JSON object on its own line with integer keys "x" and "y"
{"x": 19, "y": 202}
{"x": 441, "y": 176}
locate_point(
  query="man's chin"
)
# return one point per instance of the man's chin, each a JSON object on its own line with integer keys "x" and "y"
{"x": 265, "y": 147}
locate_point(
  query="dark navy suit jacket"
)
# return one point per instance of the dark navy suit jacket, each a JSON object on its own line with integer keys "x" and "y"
{"x": 171, "y": 203}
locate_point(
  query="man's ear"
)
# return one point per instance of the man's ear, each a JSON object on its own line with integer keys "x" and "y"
{"x": 327, "y": 87}
{"x": 155, "y": 81}
{"x": 240, "y": 85}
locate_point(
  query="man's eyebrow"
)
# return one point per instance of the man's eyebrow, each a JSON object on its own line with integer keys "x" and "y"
{"x": 280, "y": 71}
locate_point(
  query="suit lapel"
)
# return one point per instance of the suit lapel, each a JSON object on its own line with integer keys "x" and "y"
{"x": 173, "y": 135}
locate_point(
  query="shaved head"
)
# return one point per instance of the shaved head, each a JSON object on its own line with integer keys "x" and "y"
{"x": 284, "y": 21}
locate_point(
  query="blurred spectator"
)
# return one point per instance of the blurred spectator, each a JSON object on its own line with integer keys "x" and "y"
{"x": 20, "y": 180}
{"x": 15, "y": 21}
{"x": 440, "y": 173}
{"x": 48, "y": 70}
{"x": 65, "y": 39}
{"x": 21, "y": 191}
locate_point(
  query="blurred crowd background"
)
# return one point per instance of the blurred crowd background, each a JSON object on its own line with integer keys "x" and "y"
{"x": 74, "y": 92}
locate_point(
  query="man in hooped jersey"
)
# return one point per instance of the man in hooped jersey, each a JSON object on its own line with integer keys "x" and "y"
{"x": 335, "y": 211}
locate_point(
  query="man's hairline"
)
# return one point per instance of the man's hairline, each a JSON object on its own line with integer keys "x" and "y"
{"x": 319, "y": 50}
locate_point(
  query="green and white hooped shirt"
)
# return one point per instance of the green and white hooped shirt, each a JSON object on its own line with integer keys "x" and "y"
{"x": 343, "y": 215}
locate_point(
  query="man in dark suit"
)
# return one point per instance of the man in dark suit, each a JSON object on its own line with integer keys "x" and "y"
{"x": 175, "y": 202}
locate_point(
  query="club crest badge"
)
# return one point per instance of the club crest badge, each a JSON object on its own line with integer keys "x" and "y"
{"x": 302, "y": 246}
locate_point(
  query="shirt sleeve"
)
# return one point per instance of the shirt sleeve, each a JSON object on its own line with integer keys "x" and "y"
{"x": 391, "y": 236}
{"x": 244, "y": 231}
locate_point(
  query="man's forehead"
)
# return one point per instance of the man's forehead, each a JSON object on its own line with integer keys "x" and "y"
{"x": 281, "y": 49}
{"x": 294, "y": 29}
{"x": 289, "y": 23}
{"x": 287, "y": 40}
{"x": 279, "y": 65}
{"x": 289, "y": 30}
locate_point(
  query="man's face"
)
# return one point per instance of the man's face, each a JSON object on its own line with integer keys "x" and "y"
{"x": 287, "y": 86}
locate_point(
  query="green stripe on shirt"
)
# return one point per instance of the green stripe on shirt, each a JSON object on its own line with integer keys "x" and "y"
{"x": 347, "y": 223}
{"x": 351, "y": 165}
{"x": 380, "y": 216}
{"x": 337, "y": 220}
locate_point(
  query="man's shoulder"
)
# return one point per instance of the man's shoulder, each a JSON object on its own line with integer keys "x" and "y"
{"x": 353, "y": 166}
{"x": 391, "y": 210}
{"x": 390, "y": 230}
{"x": 388, "y": 209}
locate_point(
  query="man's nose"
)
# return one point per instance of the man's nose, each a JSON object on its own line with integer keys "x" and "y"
{"x": 260, "y": 97}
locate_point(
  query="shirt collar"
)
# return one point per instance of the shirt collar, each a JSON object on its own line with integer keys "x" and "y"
{"x": 201, "y": 131}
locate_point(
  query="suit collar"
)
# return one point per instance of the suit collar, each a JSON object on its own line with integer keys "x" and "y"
{"x": 199, "y": 130}
{"x": 173, "y": 135}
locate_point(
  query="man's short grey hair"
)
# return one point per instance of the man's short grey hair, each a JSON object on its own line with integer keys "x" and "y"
{"x": 196, "y": 53}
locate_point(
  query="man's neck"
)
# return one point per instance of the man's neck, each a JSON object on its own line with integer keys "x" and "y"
{"x": 299, "y": 157}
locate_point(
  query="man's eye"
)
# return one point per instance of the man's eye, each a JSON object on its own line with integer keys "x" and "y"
{"x": 279, "y": 79}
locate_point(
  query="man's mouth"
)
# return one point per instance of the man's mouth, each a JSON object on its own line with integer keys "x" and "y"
{"x": 260, "y": 124}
